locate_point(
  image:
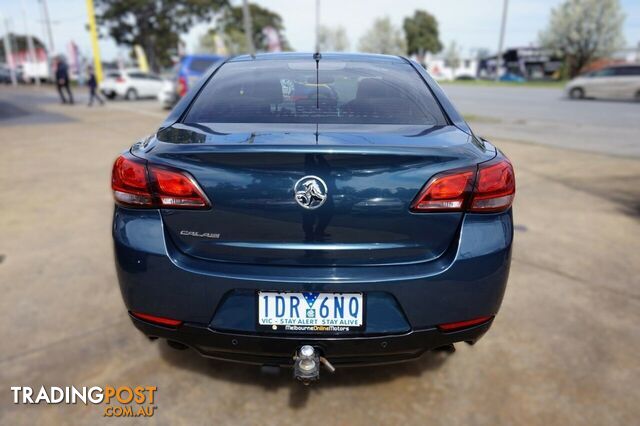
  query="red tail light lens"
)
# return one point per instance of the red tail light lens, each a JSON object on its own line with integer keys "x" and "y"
{"x": 176, "y": 189}
{"x": 157, "y": 320}
{"x": 182, "y": 86}
{"x": 136, "y": 184}
{"x": 120, "y": 80}
{"x": 495, "y": 187}
{"x": 453, "y": 326}
{"x": 490, "y": 189}
{"x": 445, "y": 192}
{"x": 129, "y": 182}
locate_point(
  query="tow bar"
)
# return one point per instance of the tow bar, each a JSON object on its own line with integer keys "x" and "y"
{"x": 306, "y": 367}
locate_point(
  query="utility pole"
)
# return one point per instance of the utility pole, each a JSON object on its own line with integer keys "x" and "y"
{"x": 8, "y": 52}
{"x": 317, "y": 26}
{"x": 47, "y": 23}
{"x": 248, "y": 27}
{"x": 32, "y": 52}
{"x": 505, "y": 6}
{"x": 95, "y": 46}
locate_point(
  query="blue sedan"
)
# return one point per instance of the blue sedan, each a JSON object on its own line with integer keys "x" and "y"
{"x": 312, "y": 210}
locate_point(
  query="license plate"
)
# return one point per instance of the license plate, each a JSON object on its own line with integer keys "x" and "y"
{"x": 310, "y": 311}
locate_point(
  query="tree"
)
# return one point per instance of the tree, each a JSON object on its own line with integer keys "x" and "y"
{"x": 333, "y": 39}
{"x": 421, "y": 33}
{"x": 383, "y": 37}
{"x": 231, "y": 25}
{"x": 154, "y": 25}
{"x": 211, "y": 42}
{"x": 584, "y": 30}
{"x": 452, "y": 57}
{"x": 482, "y": 53}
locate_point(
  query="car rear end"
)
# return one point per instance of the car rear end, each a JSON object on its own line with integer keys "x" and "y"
{"x": 191, "y": 68}
{"x": 115, "y": 84}
{"x": 363, "y": 222}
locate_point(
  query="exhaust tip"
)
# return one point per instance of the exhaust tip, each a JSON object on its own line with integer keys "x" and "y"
{"x": 177, "y": 345}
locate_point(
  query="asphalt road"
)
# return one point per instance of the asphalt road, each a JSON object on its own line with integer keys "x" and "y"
{"x": 546, "y": 116}
{"x": 563, "y": 350}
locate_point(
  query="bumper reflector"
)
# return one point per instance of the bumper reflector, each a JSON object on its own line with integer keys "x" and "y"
{"x": 453, "y": 326}
{"x": 168, "y": 322}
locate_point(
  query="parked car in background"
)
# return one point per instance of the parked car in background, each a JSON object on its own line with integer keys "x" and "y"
{"x": 167, "y": 96}
{"x": 5, "y": 75}
{"x": 130, "y": 84}
{"x": 191, "y": 68}
{"x": 614, "y": 82}
{"x": 512, "y": 78}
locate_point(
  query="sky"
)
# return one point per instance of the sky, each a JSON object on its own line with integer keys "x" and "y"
{"x": 471, "y": 24}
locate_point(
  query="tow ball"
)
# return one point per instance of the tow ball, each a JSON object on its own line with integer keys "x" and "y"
{"x": 306, "y": 367}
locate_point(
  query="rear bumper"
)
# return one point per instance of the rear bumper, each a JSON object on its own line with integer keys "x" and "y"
{"x": 405, "y": 303}
{"x": 279, "y": 350}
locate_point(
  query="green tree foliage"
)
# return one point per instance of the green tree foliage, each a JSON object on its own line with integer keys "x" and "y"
{"x": 154, "y": 25}
{"x": 452, "y": 56}
{"x": 421, "y": 33}
{"x": 231, "y": 25}
{"x": 333, "y": 39}
{"x": 584, "y": 30}
{"x": 383, "y": 37}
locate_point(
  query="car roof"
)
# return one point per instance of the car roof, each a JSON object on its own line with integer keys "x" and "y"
{"x": 613, "y": 66}
{"x": 365, "y": 57}
{"x": 203, "y": 56}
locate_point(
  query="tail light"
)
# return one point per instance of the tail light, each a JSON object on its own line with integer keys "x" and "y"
{"x": 182, "y": 86}
{"x": 157, "y": 320}
{"x": 491, "y": 188}
{"x": 445, "y": 192}
{"x": 120, "y": 80}
{"x": 495, "y": 187}
{"x": 454, "y": 326}
{"x": 136, "y": 183}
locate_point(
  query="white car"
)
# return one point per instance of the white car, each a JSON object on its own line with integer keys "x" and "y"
{"x": 131, "y": 84}
{"x": 168, "y": 96}
{"x": 614, "y": 82}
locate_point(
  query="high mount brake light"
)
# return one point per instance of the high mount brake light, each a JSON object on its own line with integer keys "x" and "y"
{"x": 138, "y": 184}
{"x": 490, "y": 189}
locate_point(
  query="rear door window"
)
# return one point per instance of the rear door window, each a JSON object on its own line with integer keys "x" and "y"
{"x": 137, "y": 75}
{"x": 337, "y": 92}
{"x": 607, "y": 72}
{"x": 628, "y": 71}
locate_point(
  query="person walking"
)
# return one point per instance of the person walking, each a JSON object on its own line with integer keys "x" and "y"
{"x": 92, "y": 82}
{"x": 62, "y": 80}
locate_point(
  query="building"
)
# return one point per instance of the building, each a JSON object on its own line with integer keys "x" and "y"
{"x": 530, "y": 63}
{"x": 29, "y": 68}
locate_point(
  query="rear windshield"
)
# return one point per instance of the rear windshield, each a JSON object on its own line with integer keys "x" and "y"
{"x": 281, "y": 91}
{"x": 200, "y": 64}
